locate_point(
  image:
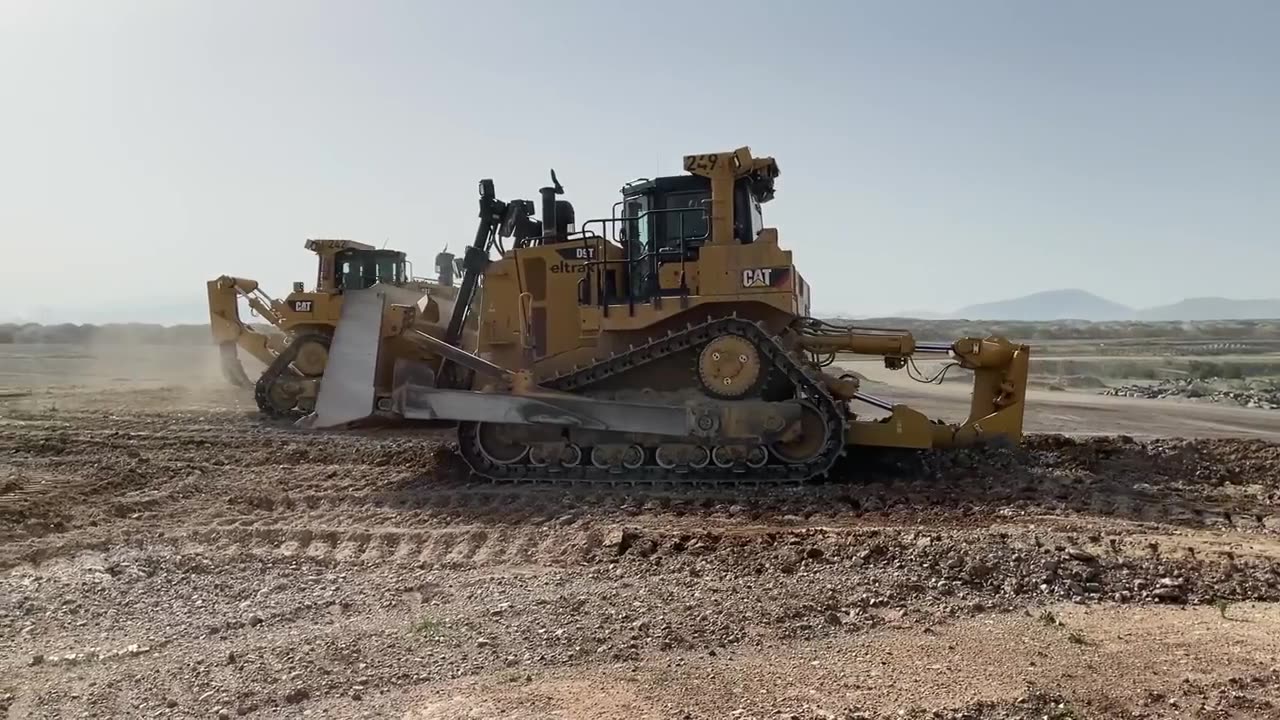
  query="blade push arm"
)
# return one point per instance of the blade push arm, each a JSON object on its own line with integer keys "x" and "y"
{"x": 996, "y": 406}
{"x": 224, "y": 315}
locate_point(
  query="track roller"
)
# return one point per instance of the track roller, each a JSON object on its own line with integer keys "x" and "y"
{"x": 671, "y": 456}
{"x": 607, "y": 457}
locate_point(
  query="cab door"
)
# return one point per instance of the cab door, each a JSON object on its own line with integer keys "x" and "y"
{"x": 639, "y": 238}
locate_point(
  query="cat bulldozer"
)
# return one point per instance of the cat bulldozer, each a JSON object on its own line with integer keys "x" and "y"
{"x": 295, "y": 348}
{"x": 669, "y": 342}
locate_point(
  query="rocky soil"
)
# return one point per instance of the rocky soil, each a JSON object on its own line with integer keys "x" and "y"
{"x": 167, "y": 559}
{"x": 1255, "y": 394}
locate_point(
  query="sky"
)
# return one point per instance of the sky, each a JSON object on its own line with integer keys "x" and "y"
{"x": 932, "y": 154}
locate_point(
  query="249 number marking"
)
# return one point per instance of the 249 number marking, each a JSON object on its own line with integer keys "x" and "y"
{"x": 701, "y": 163}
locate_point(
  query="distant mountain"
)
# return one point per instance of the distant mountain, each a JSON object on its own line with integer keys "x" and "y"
{"x": 1049, "y": 305}
{"x": 1074, "y": 304}
{"x": 1214, "y": 308}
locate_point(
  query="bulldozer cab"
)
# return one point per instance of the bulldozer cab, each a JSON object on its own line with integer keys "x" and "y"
{"x": 668, "y": 219}
{"x": 360, "y": 269}
{"x": 677, "y": 210}
{"x": 351, "y": 265}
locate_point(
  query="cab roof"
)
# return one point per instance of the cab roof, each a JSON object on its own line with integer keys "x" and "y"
{"x": 318, "y": 245}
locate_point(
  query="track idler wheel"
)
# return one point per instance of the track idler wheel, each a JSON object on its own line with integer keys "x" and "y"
{"x": 496, "y": 445}
{"x": 283, "y": 395}
{"x": 285, "y": 390}
{"x": 808, "y": 443}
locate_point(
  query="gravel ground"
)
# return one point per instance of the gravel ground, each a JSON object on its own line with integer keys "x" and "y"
{"x": 167, "y": 554}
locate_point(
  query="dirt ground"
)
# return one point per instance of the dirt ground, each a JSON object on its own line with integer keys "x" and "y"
{"x": 166, "y": 553}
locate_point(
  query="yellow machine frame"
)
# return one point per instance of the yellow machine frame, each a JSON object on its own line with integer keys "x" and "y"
{"x": 532, "y": 315}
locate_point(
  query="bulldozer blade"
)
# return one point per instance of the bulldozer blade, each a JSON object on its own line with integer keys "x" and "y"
{"x": 232, "y": 370}
{"x": 347, "y": 389}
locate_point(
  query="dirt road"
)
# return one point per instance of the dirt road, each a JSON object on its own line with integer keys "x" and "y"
{"x": 165, "y": 553}
{"x": 1081, "y": 413}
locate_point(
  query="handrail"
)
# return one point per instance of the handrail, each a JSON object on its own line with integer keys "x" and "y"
{"x": 613, "y": 215}
{"x": 598, "y": 260}
{"x": 658, "y": 211}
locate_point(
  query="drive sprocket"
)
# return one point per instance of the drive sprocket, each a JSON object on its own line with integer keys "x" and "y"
{"x": 729, "y": 367}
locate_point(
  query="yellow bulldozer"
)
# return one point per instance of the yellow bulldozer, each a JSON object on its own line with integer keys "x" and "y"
{"x": 295, "y": 347}
{"x": 669, "y": 342}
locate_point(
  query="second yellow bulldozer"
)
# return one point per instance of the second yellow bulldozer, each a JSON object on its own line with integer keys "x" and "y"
{"x": 295, "y": 348}
{"x": 669, "y": 342}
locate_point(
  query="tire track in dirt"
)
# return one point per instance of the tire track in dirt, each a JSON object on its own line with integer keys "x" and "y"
{"x": 333, "y": 544}
{"x": 475, "y": 527}
{"x": 211, "y": 475}
{"x": 970, "y": 554}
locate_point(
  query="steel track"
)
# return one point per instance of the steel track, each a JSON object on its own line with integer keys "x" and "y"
{"x": 277, "y": 369}
{"x": 804, "y": 379}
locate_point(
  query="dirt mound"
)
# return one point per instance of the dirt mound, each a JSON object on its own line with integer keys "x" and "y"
{"x": 1259, "y": 394}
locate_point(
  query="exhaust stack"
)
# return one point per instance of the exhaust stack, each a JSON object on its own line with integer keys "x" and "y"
{"x": 550, "y": 228}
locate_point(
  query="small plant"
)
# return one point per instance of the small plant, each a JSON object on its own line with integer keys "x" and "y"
{"x": 1064, "y": 712}
{"x": 428, "y": 626}
{"x": 514, "y": 676}
{"x": 1223, "y": 606}
{"x": 1047, "y": 618}
{"x": 1075, "y": 637}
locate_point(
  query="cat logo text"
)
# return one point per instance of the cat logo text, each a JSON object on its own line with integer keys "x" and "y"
{"x": 765, "y": 277}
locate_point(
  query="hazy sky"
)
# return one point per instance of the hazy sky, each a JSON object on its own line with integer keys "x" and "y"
{"x": 933, "y": 154}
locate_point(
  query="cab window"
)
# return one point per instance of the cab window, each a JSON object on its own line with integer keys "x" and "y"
{"x": 637, "y": 225}
{"x": 686, "y": 218}
{"x": 389, "y": 270}
{"x": 360, "y": 270}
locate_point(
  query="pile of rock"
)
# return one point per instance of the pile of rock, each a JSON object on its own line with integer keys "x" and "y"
{"x": 1255, "y": 395}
